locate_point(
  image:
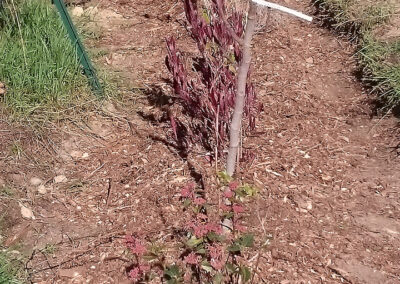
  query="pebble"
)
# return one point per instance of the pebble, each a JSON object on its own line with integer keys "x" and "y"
{"x": 60, "y": 179}
{"x": 77, "y": 11}
{"x": 76, "y": 154}
{"x": 2, "y": 89}
{"x": 42, "y": 189}
{"x": 26, "y": 212}
{"x": 35, "y": 181}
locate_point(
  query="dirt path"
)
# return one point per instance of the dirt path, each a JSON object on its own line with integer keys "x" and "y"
{"x": 328, "y": 174}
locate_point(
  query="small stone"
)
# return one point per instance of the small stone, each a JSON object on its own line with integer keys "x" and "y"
{"x": 77, "y": 11}
{"x": 344, "y": 138}
{"x": 26, "y": 212}
{"x": 76, "y": 154}
{"x": 2, "y": 89}
{"x": 42, "y": 189}
{"x": 60, "y": 179}
{"x": 310, "y": 60}
{"x": 326, "y": 178}
{"x": 35, "y": 181}
{"x": 85, "y": 155}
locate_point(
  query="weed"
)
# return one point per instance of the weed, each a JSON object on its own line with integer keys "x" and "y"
{"x": 381, "y": 63}
{"x": 49, "y": 249}
{"x": 6, "y": 191}
{"x": 16, "y": 149}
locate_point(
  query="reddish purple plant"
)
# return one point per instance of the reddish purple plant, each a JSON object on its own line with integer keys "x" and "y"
{"x": 135, "y": 245}
{"x": 217, "y": 256}
{"x": 192, "y": 259}
{"x": 207, "y": 95}
{"x": 206, "y": 253}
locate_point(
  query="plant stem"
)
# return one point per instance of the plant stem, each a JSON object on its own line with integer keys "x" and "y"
{"x": 236, "y": 124}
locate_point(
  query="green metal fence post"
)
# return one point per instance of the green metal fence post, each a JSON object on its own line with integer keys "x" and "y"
{"x": 83, "y": 57}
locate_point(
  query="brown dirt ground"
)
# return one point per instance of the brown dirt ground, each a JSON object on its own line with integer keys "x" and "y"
{"x": 326, "y": 167}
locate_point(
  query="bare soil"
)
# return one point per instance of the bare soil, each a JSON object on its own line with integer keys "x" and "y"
{"x": 326, "y": 167}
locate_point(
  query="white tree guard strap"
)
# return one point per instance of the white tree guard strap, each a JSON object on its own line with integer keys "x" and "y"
{"x": 283, "y": 9}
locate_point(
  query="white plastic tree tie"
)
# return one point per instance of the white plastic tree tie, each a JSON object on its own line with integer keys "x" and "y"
{"x": 283, "y": 9}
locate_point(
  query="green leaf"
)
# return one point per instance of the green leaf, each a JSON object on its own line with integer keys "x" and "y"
{"x": 232, "y": 59}
{"x": 245, "y": 273}
{"x": 194, "y": 242}
{"x": 201, "y": 250}
{"x": 205, "y": 265}
{"x": 224, "y": 177}
{"x": 214, "y": 237}
{"x": 247, "y": 240}
{"x": 234, "y": 247}
{"x": 246, "y": 190}
{"x": 218, "y": 278}
{"x": 172, "y": 271}
{"x": 186, "y": 203}
{"x": 231, "y": 268}
{"x": 206, "y": 16}
{"x": 239, "y": 192}
{"x": 232, "y": 69}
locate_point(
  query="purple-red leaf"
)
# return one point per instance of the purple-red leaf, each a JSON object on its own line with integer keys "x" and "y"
{"x": 207, "y": 93}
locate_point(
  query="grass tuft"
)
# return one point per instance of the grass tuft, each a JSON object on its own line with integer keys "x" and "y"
{"x": 379, "y": 59}
{"x": 8, "y": 271}
{"x": 381, "y": 62}
{"x": 39, "y": 65}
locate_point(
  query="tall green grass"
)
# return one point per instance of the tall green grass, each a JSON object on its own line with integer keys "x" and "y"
{"x": 379, "y": 60}
{"x": 8, "y": 271}
{"x": 38, "y": 63}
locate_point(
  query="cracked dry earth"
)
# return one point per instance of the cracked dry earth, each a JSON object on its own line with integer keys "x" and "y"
{"x": 326, "y": 167}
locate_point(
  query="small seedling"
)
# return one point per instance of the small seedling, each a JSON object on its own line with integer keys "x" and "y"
{"x": 16, "y": 149}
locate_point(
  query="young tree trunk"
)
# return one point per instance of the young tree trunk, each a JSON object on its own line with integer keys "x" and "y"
{"x": 236, "y": 123}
